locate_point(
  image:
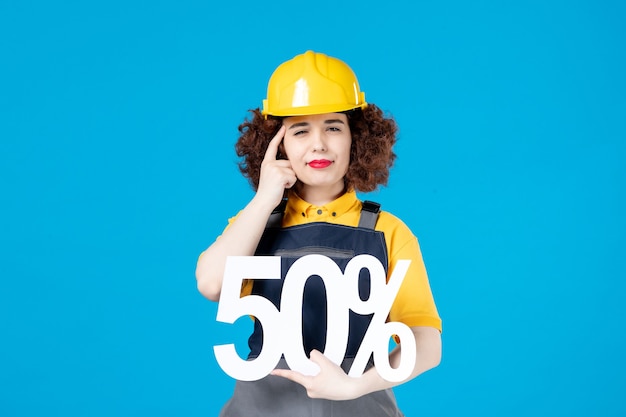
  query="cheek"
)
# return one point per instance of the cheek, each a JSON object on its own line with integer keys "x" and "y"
{"x": 348, "y": 156}
{"x": 290, "y": 150}
{"x": 284, "y": 149}
{"x": 287, "y": 145}
{"x": 345, "y": 157}
{"x": 347, "y": 149}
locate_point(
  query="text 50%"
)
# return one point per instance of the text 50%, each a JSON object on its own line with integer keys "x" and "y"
{"x": 282, "y": 328}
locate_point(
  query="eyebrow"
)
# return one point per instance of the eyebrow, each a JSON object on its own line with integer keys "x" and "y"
{"x": 326, "y": 122}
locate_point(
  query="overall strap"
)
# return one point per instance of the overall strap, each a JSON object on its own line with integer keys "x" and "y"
{"x": 369, "y": 214}
{"x": 276, "y": 218}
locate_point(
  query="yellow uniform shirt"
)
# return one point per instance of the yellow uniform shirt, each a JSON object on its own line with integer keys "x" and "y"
{"x": 414, "y": 304}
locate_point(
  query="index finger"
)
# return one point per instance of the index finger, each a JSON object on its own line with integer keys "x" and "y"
{"x": 272, "y": 147}
{"x": 294, "y": 376}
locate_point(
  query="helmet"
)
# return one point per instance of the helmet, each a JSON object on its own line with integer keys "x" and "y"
{"x": 312, "y": 83}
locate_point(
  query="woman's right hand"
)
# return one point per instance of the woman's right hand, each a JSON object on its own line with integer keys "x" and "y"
{"x": 243, "y": 235}
{"x": 276, "y": 174}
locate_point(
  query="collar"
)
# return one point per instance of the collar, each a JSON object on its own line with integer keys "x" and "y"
{"x": 301, "y": 209}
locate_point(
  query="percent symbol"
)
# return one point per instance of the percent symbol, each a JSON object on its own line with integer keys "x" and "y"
{"x": 379, "y": 302}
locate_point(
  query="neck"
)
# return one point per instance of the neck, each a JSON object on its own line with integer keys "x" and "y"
{"x": 319, "y": 196}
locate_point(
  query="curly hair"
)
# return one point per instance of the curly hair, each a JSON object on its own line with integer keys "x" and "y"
{"x": 371, "y": 153}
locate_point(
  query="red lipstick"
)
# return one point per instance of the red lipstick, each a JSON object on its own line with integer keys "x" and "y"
{"x": 320, "y": 163}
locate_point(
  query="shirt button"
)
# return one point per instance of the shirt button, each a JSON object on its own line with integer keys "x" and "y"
{"x": 303, "y": 214}
{"x": 319, "y": 211}
{"x": 334, "y": 214}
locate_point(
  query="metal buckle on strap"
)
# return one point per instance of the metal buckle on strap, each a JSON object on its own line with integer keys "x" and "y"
{"x": 369, "y": 214}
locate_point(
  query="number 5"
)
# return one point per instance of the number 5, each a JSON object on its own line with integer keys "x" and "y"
{"x": 232, "y": 306}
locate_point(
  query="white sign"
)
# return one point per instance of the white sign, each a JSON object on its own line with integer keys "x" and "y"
{"x": 282, "y": 333}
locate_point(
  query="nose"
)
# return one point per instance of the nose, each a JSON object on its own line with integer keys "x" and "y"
{"x": 318, "y": 141}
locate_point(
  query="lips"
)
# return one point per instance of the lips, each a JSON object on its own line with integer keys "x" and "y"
{"x": 320, "y": 163}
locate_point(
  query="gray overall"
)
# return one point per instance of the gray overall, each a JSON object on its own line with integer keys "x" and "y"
{"x": 278, "y": 397}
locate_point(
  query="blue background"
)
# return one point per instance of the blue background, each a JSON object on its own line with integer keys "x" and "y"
{"x": 117, "y": 168}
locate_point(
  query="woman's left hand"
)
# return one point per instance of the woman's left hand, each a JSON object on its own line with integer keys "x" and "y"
{"x": 331, "y": 383}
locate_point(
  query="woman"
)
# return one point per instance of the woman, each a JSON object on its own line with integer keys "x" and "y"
{"x": 317, "y": 142}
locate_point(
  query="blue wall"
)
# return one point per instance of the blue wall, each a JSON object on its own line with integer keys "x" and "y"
{"x": 117, "y": 168}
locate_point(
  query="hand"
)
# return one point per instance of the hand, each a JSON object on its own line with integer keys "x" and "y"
{"x": 276, "y": 174}
{"x": 331, "y": 383}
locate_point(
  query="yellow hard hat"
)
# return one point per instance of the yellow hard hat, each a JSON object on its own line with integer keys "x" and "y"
{"x": 312, "y": 83}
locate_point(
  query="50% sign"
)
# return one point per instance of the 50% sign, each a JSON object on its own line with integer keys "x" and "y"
{"x": 282, "y": 328}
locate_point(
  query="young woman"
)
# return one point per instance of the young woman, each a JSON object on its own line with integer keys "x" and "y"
{"x": 312, "y": 147}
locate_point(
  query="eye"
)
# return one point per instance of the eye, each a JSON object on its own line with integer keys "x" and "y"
{"x": 334, "y": 129}
{"x": 299, "y": 132}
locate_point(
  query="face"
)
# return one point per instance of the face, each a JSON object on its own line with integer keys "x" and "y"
{"x": 318, "y": 147}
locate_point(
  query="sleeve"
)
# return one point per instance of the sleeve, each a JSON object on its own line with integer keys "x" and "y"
{"x": 414, "y": 304}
